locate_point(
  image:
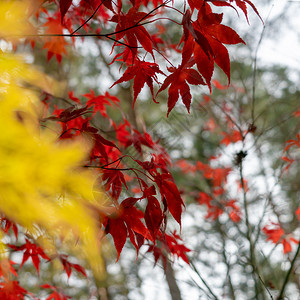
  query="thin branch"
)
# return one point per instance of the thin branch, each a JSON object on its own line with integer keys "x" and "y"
{"x": 249, "y": 231}
{"x": 230, "y": 118}
{"x": 222, "y": 233}
{"x": 88, "y": 18}
{"x": 138, "y": 22}
{"x": 288, "y": 274}
{"x": 255, "y": 65}
{"x": 265, "y": 287}
{"x": 202, "y": 279}
{"x": 124, "y": 44}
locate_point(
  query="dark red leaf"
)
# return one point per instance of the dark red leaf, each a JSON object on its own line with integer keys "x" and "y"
{"x": 68, "y": 266}
{"x": 170, "y": 192}
{"x": 64, "y": 6}
{"x": 153, "y": 216}
{"x": 142, "y": 72}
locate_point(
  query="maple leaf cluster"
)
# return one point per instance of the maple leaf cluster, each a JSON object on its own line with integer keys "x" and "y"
{"x": 139, "y": 214}
{"x": 276, "y": 234}
{"x": 201, "y": 45}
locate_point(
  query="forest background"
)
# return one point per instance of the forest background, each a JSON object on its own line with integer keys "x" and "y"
{"x": 234, "y": 160}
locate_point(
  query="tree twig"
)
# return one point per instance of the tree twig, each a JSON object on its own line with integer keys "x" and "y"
{"x": 286, "y": 279}
{"x": 202, "y": 279}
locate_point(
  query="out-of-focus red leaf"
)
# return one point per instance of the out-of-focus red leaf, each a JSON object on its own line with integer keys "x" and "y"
{"x": 291, "y": 143}
{"x": 100, "y": 102}
{"x": 286, "y": 246}
{"x": 68, "y": 266}
{"x": 276, "y": 234}
{"x": 297, "y": 113}
{"x": 298, "y": 213}
{"x": 273, "y": 233}
{"x": 56, "y": 294}
{"x": 114, "y": 179}
{"x": 55, "y": 44}
{"x": 69, "y": 114}
{"x": 6, "y": 267}
{"x": 9, "y": 224}
{"x": 10, "y": 290}
{"x": 64, "y": 6}
{"x": 233, "y": 137}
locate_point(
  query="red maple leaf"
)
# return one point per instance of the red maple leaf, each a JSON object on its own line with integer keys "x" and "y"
{"x": 100, "y": 144}
{"x": 68, "y": 114}
{"x": 178, "y": 82}
{"x": 128, "y": 25}
{"x": 6, "y": 267}
{"x": 100, "y": 102}
{"x": 153, "y": 213}
{"x": 169, "y": 244}
{"x": 31, "y": 250}
{"x": 185, "y": 166}
{"x": 64, "y": 6}
{"x": 209, "y": 36}
{"x": 9, "y": 224}
{"x": 289, "y": 160}
{"x": 213, "y": 211}
{"x": 235, "y": 212}
{"x": 54, "y": 44}
{"x": 142, "y": 72}
{"x": 176, "y": 246}
{"x": 273, "y": 233}
{"x": 133, "y": 137}
{"x": 11, "y": 290}
{"x": 276, "y": 234}
{"x": 182, "y": 75}
{"x": 232, "y": 137}
{"x": 114, "y": 179}
{"x": 170, "y": 193}
{"x": 298, "y": 213}
{"x": 239, "y": 3}
{"x": 127, "y": 223}
{"x": 68, "y": 266}
{"x": 57, "y": 294}
{"x": 291, "y": 143}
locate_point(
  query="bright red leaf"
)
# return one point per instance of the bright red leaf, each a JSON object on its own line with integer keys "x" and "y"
{"x": 178, "y": 82}
{"x": 142, "y": 72}
{"x": 127, "y": 27}
{"x": 170, "y": 193}
{"x": 127, "y": 223}
{"x": 31, "y": 250}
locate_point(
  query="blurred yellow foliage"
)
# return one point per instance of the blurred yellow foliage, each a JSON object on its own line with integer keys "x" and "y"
{"x": 41, "y": 182}
{"x": 14, "y": 19}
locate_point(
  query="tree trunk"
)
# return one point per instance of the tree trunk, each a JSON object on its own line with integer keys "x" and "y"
{"x": 171, "y": 280}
